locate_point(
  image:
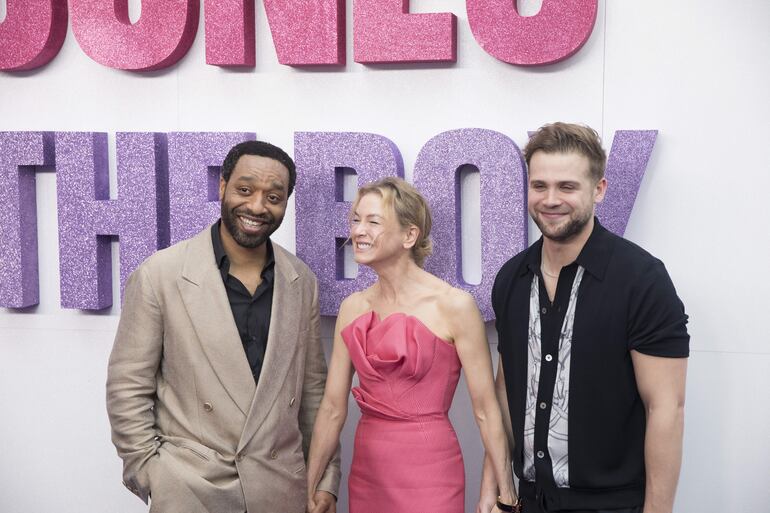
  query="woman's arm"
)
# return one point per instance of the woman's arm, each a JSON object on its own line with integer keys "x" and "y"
{"x": 472, "y": 347}
{"x": 333, "y": 408}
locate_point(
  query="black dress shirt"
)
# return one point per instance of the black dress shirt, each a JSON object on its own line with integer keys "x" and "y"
{"x": 626, "y": 301}
{"x": 251, "y": 313}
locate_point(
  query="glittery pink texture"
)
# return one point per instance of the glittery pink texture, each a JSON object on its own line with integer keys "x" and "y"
{"x": 162, "y": 35}
{"x": 321, "y": 216}
{"x": 503, "y": 204}
{"x": 194, "y": 162}
{"x": 32, "y": 33}
{"x": 384, "y": 31}
{"x": 307, "y": 33}
{"x": 555, "y": 33}
{"x": 229, "y": 26}
{"x": 88, "y": 218}
{"x": 20, "y": 152}
{"x": 626, "y": 163}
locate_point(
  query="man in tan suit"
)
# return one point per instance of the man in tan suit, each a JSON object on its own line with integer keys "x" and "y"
{"x": 217, "y": 369}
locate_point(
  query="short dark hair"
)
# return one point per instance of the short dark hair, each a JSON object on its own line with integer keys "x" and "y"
{"x": 568, "y": 138}
{"x": 260, "y": 149}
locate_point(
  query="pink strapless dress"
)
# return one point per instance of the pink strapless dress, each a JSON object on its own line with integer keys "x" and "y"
{"x": 406, "y": 457}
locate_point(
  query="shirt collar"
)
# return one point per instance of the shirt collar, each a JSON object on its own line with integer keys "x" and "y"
{"x": 220, "y": 257}
{"x": 594, "y": 256}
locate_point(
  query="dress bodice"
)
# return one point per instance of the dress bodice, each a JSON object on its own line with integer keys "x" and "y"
{"x": 405, "y": 371}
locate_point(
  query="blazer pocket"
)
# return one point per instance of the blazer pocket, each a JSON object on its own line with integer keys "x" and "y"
{"x": 198, "y": 449}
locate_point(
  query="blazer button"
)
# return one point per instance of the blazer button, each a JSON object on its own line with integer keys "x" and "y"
{"x": 273, "y": 454}
{"x": 208, "y": 407}
{"x": 239, "y": 457}
{"x": 291, "y": 403}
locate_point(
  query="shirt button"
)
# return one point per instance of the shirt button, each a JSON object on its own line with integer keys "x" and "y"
{"x": 208, "y": 407}
{"x": 548, "y": 358}
{"x": 540, "y": 454}
{"x": 239, "y": 457}
{"x": 273, "y": 454}
{"x": 544, "y": 310}
{"x": 291, "y": 403}
{"x": 543, "y": 406}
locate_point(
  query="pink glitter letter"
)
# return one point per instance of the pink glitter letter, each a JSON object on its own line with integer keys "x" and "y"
{"x": 229, "y": 32}
{"x": 555, "y": 33}
{"x": 88, "y": 218}
{"x": 161, "y": 37}
{"x": 194, "y": 167}
{"x": 20, "y": 153}
{"x": 304, "y": 32}
{"x": 32, "y": 33}
{"x": 384, "y": 31}
{"x": 503, "y": 204}
{"x": 322, "y": 215}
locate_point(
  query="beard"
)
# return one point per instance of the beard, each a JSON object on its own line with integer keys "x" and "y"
{"x": 566, "y": 231}
{"x": 248, "y": 240}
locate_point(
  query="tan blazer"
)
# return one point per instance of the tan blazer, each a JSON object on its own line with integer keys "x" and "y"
{"x": 193, "y": 430}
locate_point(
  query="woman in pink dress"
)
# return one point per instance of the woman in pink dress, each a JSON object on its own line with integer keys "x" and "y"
{"x": 407, "y": 336}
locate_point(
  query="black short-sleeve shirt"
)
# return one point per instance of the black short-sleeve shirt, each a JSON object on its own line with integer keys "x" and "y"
{"x": 626, "y": 301}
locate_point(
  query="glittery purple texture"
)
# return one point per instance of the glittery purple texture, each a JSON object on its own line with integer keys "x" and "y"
{"x": 557, "y": 32}
{"x": 87, "y": 217}
{"x": 162, "y": 35}
{"x": 503, "y": 204}
{"x": 229, "y": 26}
{"x": 627, "y": 161}
{"x": 321, "y": 220}
{"x": 384, "y": 31}
{"x": 306, "y": 32}
{"x": 194, "y": 161}
{"x": 32, "y": 33}
{"x": 20, "y": 152}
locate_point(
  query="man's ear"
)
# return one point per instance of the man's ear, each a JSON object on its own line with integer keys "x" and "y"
{"x": 222, "y": 185}
{"x": 600, "y": 190}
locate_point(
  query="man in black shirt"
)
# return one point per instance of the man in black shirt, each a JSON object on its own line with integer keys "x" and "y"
{"x": 217, "y": 370}
{"x": 593, "y": 348}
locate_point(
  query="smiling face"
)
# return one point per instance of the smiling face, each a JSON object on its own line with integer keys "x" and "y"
{"x": 254, "y": 199}
{"x": 376, "y": 233}
{"x": 562, "y": 195}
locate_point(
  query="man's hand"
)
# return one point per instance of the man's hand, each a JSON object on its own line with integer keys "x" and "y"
{"x": 322, "y": 502}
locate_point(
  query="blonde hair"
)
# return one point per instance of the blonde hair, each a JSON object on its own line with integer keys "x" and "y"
{"x": 410, "y": 208}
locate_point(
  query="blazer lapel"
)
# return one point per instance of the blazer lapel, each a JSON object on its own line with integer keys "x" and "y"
{"x": 204, "y": 296}
{"x": 281, "y": 343}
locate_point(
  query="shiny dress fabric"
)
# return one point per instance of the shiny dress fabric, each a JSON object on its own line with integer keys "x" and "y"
{"x": 406, "y": 457}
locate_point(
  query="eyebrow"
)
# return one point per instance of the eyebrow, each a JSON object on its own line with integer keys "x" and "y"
{"x": 562, "y": 182}
{"x": 356, "y": 214}
{"x": 276, "y": 184}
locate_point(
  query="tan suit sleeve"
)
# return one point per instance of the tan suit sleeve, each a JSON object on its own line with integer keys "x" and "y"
{"x": 131, "y": 381}
{"x": 312, "y": 392}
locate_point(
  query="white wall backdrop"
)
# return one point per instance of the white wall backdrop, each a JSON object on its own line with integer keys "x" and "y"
{"x": 696, "y": 70}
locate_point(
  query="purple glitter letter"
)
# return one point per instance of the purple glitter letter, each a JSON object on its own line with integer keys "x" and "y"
{"x": 162, "y": 35}
{"x": 626, "y": 164}
{"x": 194, "y": 161}
{"x": 321, "y": 215}
{"x": 19, "y": 153}
{"x": 384, "y": 31}
{"x": 557, "y": 32}
{"x": 503, "y": 204}
{"x": 87, "y": 217}
{"x": 32, "y": 34}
